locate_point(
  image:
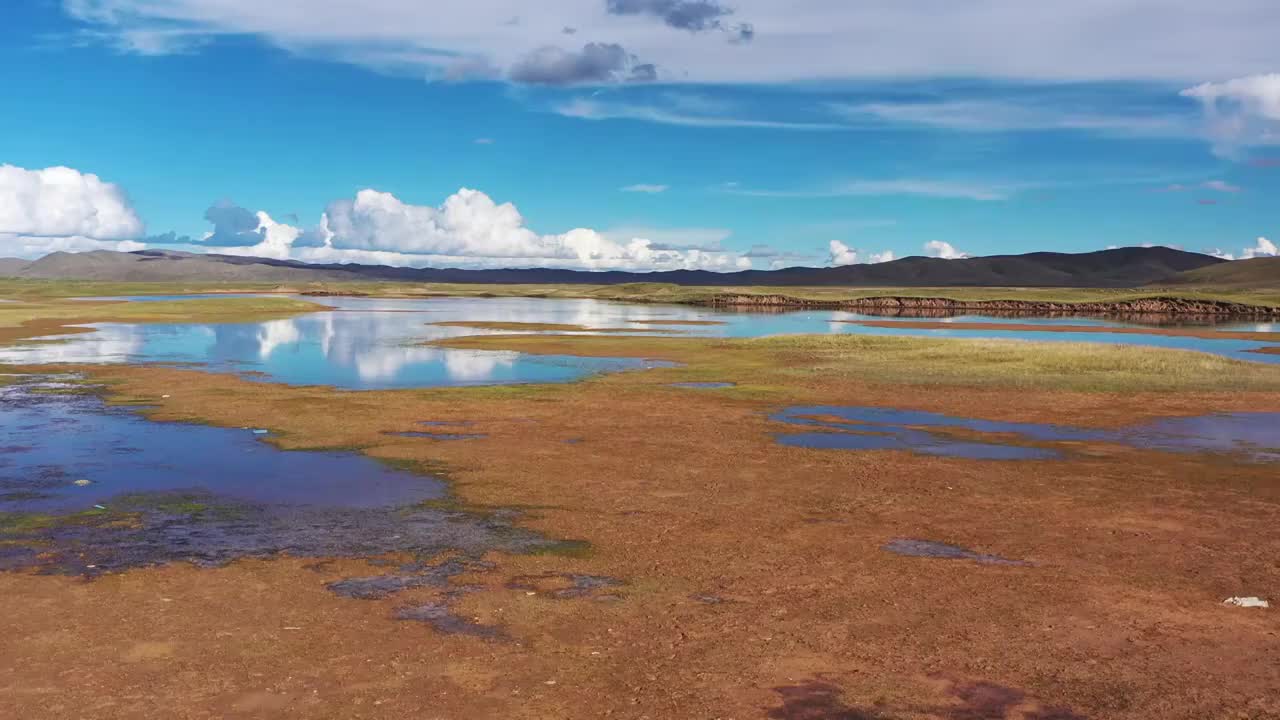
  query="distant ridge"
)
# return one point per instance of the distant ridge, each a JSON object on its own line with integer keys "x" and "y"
{"x": 12, "y": 266}
{"x": 1255, "y": 273}
{"x": 1117, "y": 268}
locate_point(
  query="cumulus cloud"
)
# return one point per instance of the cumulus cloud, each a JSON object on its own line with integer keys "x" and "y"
{"x": 468, "y": 230}
{"x": 62, "y": 209}
{"x": 62, "y": 202}
{"x": 646, "y": 188}
{"x": 944, "y": 250}
{"x": 692, "y": 15}
{"x": 841, "y": 254}
{"x": 1241, "y": 112}
{"x": 1262, "y": 248}
{"x": 595, "y": 63}
{"x": 233, "y": 226}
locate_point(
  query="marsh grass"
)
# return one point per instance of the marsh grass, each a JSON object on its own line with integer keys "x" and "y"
{"x": 20, "y": 321}
{"x": 1073, "y": 366}
{"x": 764, "y": 367}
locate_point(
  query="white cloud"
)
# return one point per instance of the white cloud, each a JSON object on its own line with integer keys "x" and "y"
{"x": 1262, "y": 248}
{"x": 468, "y": 230}
{"x": 586, "y": 109}
{"x": 918, "y": 187}
{"x": 644, "y": 188}
{"x": 29, "y": 247}
{"x": 944, "y": 250}
{"x": 483, "y": 141}
{"x": 1004, "y": 115}
{"x": 690, "y": 238}
{"x": 1220, "y": 186}
{"x": 1240, "y": 112}
{"x": 62, "y": 202}
{"x": 841, "y": 254}
{"x": 802, "y": 40}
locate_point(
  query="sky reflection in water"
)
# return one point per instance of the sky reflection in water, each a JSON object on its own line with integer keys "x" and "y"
{"x": 377, "y": 343}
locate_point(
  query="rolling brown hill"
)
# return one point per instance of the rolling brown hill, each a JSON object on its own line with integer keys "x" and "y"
{"x": 1116, "y": 268}
{"x": 1254, "y": 274}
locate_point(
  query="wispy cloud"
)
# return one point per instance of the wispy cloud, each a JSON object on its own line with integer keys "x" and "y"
{"x": 1215, "y": 185}
{"x": 1007, "y": 116}
{"x": 952, "y": 189}
{"x": 645, "y": 188}
{"x": 1240, "y": 113}
{"x": 588, "y": 109}
{"x": 1220, "y": 186}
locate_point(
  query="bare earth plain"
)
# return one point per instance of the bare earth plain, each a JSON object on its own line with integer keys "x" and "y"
{"x": 754, "y": 580}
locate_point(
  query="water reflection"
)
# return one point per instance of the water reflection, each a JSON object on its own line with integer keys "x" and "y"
{"x": 379, "y": 343}
{"x": 371, "y": 347}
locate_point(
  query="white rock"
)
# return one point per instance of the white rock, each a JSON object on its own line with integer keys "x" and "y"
{"x": 1247, "y": 602}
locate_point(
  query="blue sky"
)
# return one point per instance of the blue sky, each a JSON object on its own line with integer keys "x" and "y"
{"x": 825, "y": 134}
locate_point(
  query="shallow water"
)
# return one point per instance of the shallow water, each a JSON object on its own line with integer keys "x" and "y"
{"x": 366, "y": 343}
{"x": 1255, "y": 436}
{"x": 51, "y": 441}
{"x": 164, "y": 492}
{"x": 912, "y": 547}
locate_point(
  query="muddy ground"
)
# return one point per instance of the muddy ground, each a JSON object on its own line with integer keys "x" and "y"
{"x": 730, "y": 577}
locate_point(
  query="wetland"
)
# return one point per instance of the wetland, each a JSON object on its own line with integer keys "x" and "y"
{"x": 523, "y": 507}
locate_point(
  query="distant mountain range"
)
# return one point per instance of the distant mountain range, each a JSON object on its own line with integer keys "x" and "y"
{"x": 1117, "y": 268}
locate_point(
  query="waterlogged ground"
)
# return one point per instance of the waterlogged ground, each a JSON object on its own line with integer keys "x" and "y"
{"x": 727, "y": 575}
{"x": 1252, "y": 436}
{"x": 86, "y": 488}
{"x": 380, "y": 343}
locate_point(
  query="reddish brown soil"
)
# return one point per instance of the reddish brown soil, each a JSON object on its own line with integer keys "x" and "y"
{"x": 756, "y": 583}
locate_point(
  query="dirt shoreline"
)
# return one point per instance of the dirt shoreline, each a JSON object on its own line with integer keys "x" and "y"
{"x": 1261, "y": 337}
{"x": 1142, "y": 306}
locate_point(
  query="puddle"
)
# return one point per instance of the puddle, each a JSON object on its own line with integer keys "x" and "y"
{"x": 170, "y": 492}
{"x": 820, "y": 699}
{"x": 407, "y": 577}
{"x": 442, "y": 619}
{"x": 703, "y": 385}
{"x": 1254, "y": 436}
{"x": 566, "y": 586}
{"x": 54, "y": 441}
{"x": 943, "y": 551}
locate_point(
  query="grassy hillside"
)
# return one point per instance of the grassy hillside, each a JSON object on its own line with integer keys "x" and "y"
{"x": 1261, "y": 274}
